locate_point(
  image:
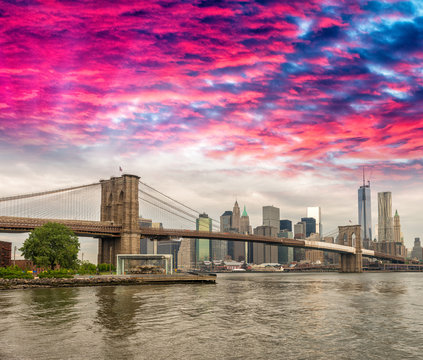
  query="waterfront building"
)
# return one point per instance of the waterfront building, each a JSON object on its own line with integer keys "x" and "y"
{"x": 218, "y": 249}
{"x": 314, "y": 256}
{"x": 264, "y": 253}
{"x": 285, "y": 253}
{"x": 365, "y": 214}
{"x": 170, "y": 247}
{"x": 240, "y": 248}
{"x": 225, "y": 226}
{"x": 285, "y": 225}
{"x": 310, "y": 225}
{"x": 330, "y": 257}
{"x": 299, "y": 233}
{"x": 202, "y": 246}
{"x": 417, "y": 252}
{"x": 385, "y": 221}
{"x": 146, "y": 244}
{"x": 261, "y": 253}
{"x": 233, "y": 247}
{"x": 315, "y": 212}
{"x": 5, "y": 253}
{"x": 391, "y": 248}
{"x": 186, "y": 255}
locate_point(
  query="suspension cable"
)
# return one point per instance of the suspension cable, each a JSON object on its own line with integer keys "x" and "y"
{"x": 178, "y": 202}
{"x": 169, "y": 211}
{"x": 19, "y": 197}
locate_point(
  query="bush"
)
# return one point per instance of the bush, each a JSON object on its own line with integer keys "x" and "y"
{"x": 105, "y": 267}
{"x": 13, "y": 272}
{"x": 57, "y": 274}
{"x": 87, "y": 268}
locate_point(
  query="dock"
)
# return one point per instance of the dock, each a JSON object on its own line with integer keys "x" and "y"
{"x": 107, "y": 280}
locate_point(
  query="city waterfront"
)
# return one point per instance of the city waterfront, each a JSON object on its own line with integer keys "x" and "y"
{"x": 243, "y": 316}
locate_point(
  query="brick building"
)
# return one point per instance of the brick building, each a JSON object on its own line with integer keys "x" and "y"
{"x": 5, "y": 253}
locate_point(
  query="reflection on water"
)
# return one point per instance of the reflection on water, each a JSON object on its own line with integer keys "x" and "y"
{"x": 50, "y": 308}
{"x": 243, "y": 316}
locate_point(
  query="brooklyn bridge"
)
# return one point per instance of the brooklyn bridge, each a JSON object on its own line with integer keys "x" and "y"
{"x": 122, "y": 201}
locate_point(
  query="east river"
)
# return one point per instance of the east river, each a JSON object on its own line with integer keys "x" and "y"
{"x": 243, "y": 316}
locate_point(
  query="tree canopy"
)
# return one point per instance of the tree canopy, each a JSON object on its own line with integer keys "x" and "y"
{"x": 50, "y": 245}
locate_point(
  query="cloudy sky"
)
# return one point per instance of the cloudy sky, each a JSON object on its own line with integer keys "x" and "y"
{"x": 270, "y": 102}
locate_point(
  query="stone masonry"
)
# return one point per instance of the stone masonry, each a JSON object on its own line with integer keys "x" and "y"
{"x": 119, "y": 204}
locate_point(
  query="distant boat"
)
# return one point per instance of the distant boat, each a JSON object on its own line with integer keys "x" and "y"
{"x": 238, "y": 270}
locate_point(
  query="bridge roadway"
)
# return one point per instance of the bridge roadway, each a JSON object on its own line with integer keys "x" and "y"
{"x": 107, "y": 228}
{"x": 79, "y": 227}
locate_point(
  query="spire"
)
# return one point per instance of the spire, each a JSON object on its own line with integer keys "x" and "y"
{"x": 364, "y": 183}
{"x": 396, "y": 213}
{"x": 244, "y": 213}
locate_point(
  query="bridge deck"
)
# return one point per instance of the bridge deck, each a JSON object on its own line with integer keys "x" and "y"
{"x": 107, "y": 228}
{"x": 79, "y": 227}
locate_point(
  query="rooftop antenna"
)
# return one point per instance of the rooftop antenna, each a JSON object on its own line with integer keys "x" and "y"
{"x": 363, "y": 178}
{"x": 364, "y": 201}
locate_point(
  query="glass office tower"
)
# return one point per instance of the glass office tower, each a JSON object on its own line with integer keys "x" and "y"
{"x": 365, "y": 212}
{"x": 202, "y": 246}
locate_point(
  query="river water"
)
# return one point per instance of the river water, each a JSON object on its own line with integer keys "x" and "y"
{"x": 243, "y": 316}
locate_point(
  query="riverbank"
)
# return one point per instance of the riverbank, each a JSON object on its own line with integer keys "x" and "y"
{"x": 105, "y": 280}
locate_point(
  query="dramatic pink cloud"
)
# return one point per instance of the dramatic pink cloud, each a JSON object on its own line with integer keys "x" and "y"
{"x": 317, "y": 84}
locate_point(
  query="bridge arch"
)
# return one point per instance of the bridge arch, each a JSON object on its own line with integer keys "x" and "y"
{"x": 344, "y": 240}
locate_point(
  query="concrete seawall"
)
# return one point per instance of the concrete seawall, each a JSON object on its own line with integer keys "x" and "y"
{"x": 104, "y": 280}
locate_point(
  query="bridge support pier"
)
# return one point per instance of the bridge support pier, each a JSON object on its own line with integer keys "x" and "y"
{"x": 120, "y": 205}
{"x": 351, "y": 263}
{"x": 351, "y": 236}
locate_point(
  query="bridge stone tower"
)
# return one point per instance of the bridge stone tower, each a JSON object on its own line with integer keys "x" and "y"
{"x": 351, "y": 236}
{"x": 119, "y": 204}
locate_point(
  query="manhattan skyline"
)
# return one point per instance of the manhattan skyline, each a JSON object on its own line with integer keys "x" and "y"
{"x": 268, "y": 102}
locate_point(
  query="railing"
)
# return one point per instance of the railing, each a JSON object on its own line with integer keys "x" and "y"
{"x": 168, "y": 233}
{"x": 78, "y": 226}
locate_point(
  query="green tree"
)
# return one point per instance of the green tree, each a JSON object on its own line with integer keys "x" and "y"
{"x": 50, "y": 245}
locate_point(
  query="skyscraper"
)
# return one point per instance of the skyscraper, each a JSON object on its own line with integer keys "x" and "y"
{"x": 300, "y": 230}
{"x": 397, "y": 228}
{"x": 240, "y": 248}
{"x": 417, "y": 252}
{"x": 271, "y": 216}
{"x": 226, "y": 221}
{"x": 202, "y": 246}
{"x": 385, "y": 223}
{"x": 365, "y": 213}
{"x": 315, "y": 212}
{"x": 236, "y": 216}
{"x": 285, "y": 225}
{"x": 244, "y": 225}
{"x": 310, "y": 225}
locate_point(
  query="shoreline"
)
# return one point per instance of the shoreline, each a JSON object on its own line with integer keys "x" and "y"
{"x": 105, "y": 280}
